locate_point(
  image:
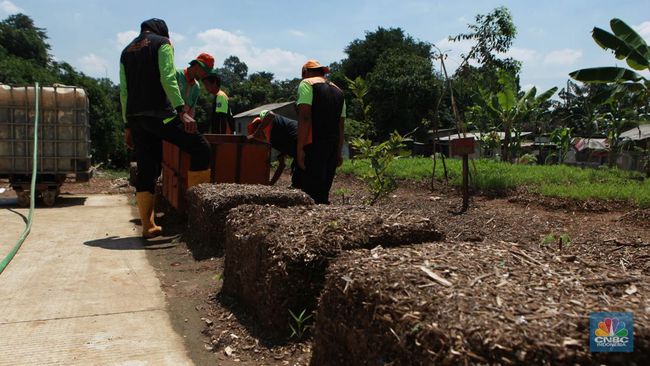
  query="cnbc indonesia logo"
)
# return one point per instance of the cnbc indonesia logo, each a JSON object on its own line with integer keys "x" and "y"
{"x": 611, "y": 332}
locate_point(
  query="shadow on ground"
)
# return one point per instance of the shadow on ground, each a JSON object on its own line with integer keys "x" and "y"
{"x": 133, "y": 243}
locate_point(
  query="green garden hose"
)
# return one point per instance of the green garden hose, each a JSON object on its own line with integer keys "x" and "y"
{"x": 28, "y": 224}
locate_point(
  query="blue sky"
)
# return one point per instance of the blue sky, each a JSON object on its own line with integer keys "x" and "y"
{"x": 278, "y": 36}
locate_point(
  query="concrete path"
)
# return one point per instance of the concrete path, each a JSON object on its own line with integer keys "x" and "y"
{"x": 80, "y": 291}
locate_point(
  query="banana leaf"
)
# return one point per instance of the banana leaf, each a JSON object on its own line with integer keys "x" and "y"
{"x": 639, "y": 57}
{"x": 605, "y": 75}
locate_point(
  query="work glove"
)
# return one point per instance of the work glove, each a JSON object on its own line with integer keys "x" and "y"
{"x": 128, "y": 139}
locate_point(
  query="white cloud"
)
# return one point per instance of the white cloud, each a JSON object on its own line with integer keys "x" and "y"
{"x": 644, "y": 30}
{"x": 525, "y": 55}
{"x": 222, "y": 44}
{"x": 93, "y": 65}
{"x": 10, "y": 8}
{"x": 124, "y": 38}
{"x": 176, "y": 37}
{"x": 565, "y": 57}
{"x": 297, "y": 33}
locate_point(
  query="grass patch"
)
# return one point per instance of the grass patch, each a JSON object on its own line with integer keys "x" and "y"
{"x": 548, "y": 180}
{"x": 112, "y": 173}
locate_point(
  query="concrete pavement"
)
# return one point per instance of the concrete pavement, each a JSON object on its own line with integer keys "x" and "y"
{"x": 80, "y": 291}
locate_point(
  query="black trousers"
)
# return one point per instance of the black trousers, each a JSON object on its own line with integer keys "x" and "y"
{"x": 148, "y": 134}
{"x": 316, "y": 180}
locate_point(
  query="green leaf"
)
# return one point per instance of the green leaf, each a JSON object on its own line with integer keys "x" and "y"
{"x": 605, "y": 75}
{"x": 506, "y": 97}
{"x": 545, "y": 95}
{"x": 640, "y": 52}
{"x": 607, "y": 40}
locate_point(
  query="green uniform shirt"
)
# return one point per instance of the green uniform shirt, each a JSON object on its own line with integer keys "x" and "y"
{"x": 222, "y": 103}
{"x": 190, "y": 93}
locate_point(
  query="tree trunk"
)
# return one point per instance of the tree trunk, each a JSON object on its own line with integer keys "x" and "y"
{"x": 505, "y": 150}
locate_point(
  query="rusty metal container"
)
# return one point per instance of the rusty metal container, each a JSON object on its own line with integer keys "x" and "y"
{"x": 234, "y": 159}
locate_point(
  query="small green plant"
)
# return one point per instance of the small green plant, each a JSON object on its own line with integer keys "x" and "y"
{"x": 548, "y": 239}
{"x": 343, "y": 192}
{"x": 298, "y": 324}
{"x": 562, "y": 240}
{"x": 380, "y": 183}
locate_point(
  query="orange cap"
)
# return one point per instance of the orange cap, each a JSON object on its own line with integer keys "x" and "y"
{"x": 313, "y": 64}
{"x": 205, "y": 60}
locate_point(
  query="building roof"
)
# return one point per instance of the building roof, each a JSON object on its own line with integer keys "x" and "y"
{"x": 477, "y": 135}
{"x": 580, "y": 144}
{"x": 636, "y": 134}
{"x": 256, "y": 111}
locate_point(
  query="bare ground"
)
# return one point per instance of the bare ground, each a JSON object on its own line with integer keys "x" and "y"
{"x": 218, "y": 332}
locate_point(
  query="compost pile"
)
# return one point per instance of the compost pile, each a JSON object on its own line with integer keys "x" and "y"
{"x": 209, "y": 204}
{"x": 275, "y": 259}
{"x": 487, "y": 303}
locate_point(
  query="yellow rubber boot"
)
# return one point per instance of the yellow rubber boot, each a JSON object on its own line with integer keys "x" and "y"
{"x": 197, "y": 177}
{"x": 147, "y": 215}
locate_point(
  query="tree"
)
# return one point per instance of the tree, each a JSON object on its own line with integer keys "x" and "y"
{"x": 20, "y": 38}
{"x": 493, "y": 33}
{"x": 510, "y": 109}
{"x": 401, "y": 90}
{"x": 363, "y": 54}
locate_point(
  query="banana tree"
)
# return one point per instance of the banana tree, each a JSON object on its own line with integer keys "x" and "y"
{"x": 510, "y": 109}
{"x": 628, "y": 45}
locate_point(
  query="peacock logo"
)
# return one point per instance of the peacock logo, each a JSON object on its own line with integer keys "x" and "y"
{"x": 611, "y": 332}
{"x": 611, "y": 327}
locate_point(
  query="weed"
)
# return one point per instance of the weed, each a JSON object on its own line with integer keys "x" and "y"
{"x": 343, "y": 192}
{"x": 297, "y": 324}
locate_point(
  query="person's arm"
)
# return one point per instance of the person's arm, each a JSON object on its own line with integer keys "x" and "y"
{"x": 304, "y": 126}
{"x": 168, "y": 75}
{"x": 305, "y": 98}
{"x": 128, "y": 139}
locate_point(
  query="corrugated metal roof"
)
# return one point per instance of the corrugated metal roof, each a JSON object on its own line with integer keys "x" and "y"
{"x": 256, "y": 111}
{"x": 636, "y": 134}
{"x": 477, "y": 135}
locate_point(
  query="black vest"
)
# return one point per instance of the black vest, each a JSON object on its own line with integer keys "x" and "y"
{"x": 326, "y": 110}
{"x": 146, "y": 95}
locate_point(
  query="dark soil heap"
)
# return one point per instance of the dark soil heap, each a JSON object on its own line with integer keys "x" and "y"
{"x": 276, "y": 259}
{"x": 493, "y": 303}
{"x": 209, "y": 204}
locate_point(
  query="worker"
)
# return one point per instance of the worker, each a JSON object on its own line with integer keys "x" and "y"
{"x": 188, "y": 79}
{"x": 282, "y": 133}
{"x": 321, "y": 117}
{"x": 212, "y": 83}
{"x": 153, "y": 110}
{"x": 221, "y": 120}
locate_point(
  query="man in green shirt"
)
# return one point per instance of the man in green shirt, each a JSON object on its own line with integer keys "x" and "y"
{"x": 321, "y": 115}
{"x": 189, "y": 77}
{"x": 153, "y": 110}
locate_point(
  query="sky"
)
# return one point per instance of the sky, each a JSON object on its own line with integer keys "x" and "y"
{"x": 554, "y": 36}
